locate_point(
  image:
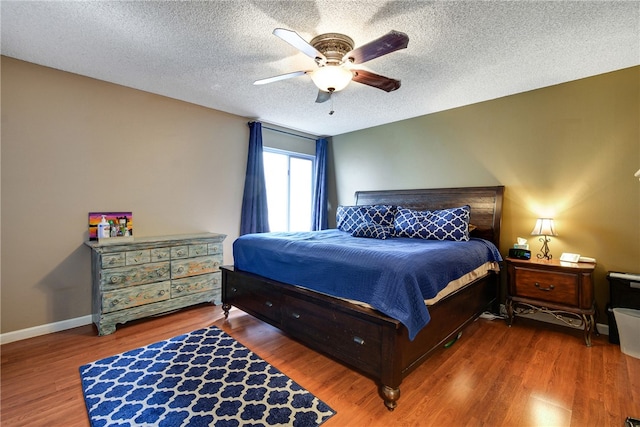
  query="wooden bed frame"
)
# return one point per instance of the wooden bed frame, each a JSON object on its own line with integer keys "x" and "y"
{"x": 363, "y": 338}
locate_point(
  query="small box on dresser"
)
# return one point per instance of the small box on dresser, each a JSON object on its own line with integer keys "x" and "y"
{"x": 153, "y": 275}
{"x": 561, "y": 289}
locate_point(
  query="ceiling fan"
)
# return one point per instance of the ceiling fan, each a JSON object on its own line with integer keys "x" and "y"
{"x": 335, "y": 56}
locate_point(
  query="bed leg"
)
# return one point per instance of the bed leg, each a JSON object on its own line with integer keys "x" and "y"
{"x": 225, "y": 308}
{"x": 390, "y": 396}
{"x": 509, "y": 307}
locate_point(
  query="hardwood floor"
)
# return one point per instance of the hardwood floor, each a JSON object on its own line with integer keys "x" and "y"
{"x": 531, "y": 374}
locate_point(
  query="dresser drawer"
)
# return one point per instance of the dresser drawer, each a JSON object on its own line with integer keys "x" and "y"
{"x": 192, "y": 285}
{"x": 160, "y": 254}
{"x": 195, "y": 266}
{"x": 135, "y": 296}
{"x": 121, "y": 277}
{"x": 551, "y": 286}
{"x": 335, "y": 332}
{"x": 138, "y": 257}
{"x": 215, "y": 248}
{"x": 178, "y": 252}
{"x": 198, "y": 250}
{"x": 113, "y": 260}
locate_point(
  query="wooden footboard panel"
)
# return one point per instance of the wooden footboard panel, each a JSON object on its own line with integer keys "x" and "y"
{"x": 354, "y": 335}
{"x": 448, "y": 318}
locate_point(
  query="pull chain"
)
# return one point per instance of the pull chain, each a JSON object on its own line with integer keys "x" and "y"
{"x": 331, "y": 100}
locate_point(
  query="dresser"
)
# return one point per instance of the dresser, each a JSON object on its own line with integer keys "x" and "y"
{"x": 561, "y": 289}
{"x": 153, "y": 275}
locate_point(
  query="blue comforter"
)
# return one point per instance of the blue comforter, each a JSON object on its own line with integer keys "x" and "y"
{"x": 394, "y": 276}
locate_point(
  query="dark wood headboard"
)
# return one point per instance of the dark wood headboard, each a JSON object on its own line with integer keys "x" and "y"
{"x": 485, "y": 203}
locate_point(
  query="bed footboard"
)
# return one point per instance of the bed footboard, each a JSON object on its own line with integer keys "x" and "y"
{"x": 362, "y": 338}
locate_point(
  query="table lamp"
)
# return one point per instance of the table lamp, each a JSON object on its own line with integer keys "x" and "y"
{"x": 544, "y": 227}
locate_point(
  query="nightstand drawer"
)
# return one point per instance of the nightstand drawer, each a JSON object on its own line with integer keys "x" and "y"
{"x": 549, "y": 286}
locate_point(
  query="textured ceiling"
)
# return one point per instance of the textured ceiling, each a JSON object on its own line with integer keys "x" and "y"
{"x": 210, "y": 53}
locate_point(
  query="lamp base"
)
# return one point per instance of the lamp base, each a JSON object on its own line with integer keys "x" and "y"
{"x": 544, "y": 250}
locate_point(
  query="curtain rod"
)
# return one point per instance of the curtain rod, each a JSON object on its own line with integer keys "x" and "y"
{"x": 288, "y": 133}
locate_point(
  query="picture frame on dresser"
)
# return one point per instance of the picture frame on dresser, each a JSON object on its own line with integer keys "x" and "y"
{"x": 122, "y": 220}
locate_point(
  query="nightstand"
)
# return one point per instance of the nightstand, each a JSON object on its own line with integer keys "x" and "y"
{"x": 561, "y": 289}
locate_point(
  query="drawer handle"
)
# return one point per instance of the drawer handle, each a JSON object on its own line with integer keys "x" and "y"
{"x": 180, "y": 288}
{"x": 115, "y": 302}
{"x": 234, "y": 290}
{"x": 268, "y": 304}
{"x": 295, "y": 315}
{"x": 358, "y": 340}
{"x": 115, "y": 279}
{"x": 162, "y": 292}
{"x": 550, "y": 288}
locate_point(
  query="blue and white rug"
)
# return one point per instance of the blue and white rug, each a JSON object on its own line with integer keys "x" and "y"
{"x": 203, "y": 378}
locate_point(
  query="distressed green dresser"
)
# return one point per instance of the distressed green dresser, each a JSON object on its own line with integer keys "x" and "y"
{"x": 153, "y": 275}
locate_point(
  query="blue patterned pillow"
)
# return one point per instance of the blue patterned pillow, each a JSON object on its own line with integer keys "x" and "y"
{"x": 444, "y": 224}
{"x": 375, "y": 231}
{"x": 381, "y": 214}
{"x": 450, "y": 224}
{"x": 349, "y": 217}
{"x": 410, "y": 223}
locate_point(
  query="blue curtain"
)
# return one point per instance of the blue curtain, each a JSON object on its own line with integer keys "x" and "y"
{"x": 319, "y": 215}
{"x": 254, "y": 217}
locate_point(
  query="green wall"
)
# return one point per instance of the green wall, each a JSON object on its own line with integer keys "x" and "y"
{"x": 567, "y": 151}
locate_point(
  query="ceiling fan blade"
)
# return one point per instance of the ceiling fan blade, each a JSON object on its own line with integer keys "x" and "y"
{"x": 323, "y": 96}
{"x": 371, "y": 79}
{"x": 299, "y": 43}
{"x": 390, "y": 42}
{"x": 280, "y": 77}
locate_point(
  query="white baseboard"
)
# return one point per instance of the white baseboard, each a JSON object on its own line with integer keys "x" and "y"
{"x": 45, "y": 329}
{"x": 86, "y": 320}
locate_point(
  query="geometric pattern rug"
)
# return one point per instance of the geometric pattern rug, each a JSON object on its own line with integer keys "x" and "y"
{"x": 203, "y": 378}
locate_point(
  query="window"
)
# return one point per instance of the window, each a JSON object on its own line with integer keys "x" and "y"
{"x": 289, "y": 181}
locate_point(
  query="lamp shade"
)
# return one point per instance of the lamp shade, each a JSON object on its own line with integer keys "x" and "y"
{"x": 544, "y": 227}
{"x": 331, "y": 78}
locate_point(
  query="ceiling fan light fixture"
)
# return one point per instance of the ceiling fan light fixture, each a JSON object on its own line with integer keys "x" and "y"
{"x": 331, "y": 78}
